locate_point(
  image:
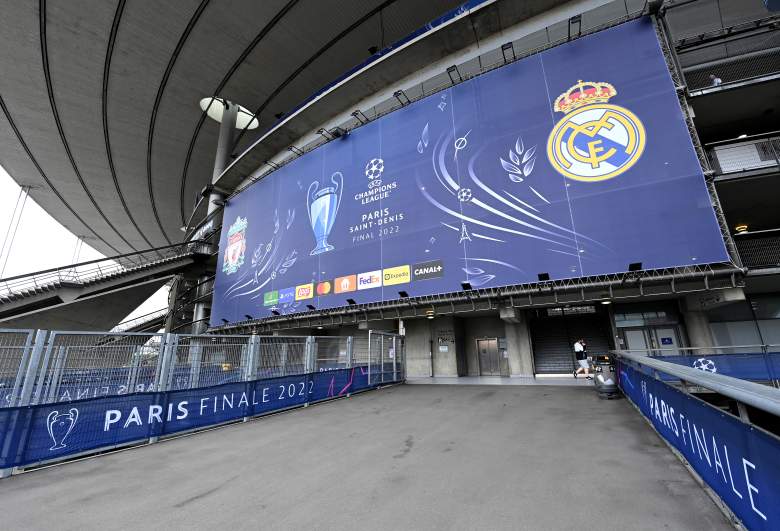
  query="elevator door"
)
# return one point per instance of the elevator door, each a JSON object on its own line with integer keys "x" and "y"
{"x": 489, "y": 359}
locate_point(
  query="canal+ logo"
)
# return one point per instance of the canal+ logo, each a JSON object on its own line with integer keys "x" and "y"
{"x": 595, "y": 140}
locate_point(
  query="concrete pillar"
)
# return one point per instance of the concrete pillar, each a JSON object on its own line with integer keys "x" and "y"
{"x": 518, "y": 342}
{"x": 418, "y": 347}
{"x": 226, "y": 130}
{"x": 698, "y": 327}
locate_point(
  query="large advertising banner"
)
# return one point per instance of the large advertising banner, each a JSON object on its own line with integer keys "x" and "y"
{"x": 740, "y": 462}
{"x": 572, "y": 162}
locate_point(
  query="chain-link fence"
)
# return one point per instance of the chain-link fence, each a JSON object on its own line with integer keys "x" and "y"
{"x": 14, "y": 347}
{"x": 50, "y": 367}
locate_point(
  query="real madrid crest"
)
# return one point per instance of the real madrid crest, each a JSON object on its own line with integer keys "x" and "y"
{"x": 595, "y": 140}
{"x": 236, "y": 246}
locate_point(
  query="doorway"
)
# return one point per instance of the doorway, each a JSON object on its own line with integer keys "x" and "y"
{"x": 664, "y": 340}
{"x": 490, "y": 360}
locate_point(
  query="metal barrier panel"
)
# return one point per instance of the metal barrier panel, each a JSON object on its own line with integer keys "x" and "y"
{"x": 385, "y": 357}
{"x": 81, "y": 392}
{"x": 330, "y": 353}
{"x": 78, "y": 365}
{"x": 203, "y": 361}
{"x": 280, "y": 356}
{"x": 15, "y": 346}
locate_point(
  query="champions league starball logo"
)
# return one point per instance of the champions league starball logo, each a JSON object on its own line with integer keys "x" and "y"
{"x": 60, "y": 425}
{"x": 594, "y": 141}
{"x": 705, "y": 364}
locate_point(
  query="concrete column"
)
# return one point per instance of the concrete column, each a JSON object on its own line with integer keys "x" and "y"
{"x": 518, "y": 342}
{"x": 226, "y": 130}
{"x": 698, "y": 327}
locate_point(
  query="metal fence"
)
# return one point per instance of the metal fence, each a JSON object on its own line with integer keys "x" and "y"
{"x": 748, "y": 155}
{"x": 759, "y": 249}
{"x": 758, "y": 363}
{"x": 40, "y": 367}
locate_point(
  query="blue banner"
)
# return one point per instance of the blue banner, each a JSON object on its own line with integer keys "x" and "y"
{"x": 41, "y": 433}
{"x": 741, "y": 463}
{"x": 754, "y": 366}
{"x": 572, "y": 162}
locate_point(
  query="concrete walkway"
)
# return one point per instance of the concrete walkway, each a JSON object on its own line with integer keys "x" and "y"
{"x": 407, "y": 457}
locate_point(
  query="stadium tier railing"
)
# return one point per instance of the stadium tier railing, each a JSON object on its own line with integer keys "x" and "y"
{"x": 64, "y": 394}
{"x": 91, "y": 271}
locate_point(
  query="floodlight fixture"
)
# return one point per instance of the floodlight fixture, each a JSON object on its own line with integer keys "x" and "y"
{"x": 215, "y": 108}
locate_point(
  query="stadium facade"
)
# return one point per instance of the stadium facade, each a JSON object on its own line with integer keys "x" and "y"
{"x": 494, "y": 185}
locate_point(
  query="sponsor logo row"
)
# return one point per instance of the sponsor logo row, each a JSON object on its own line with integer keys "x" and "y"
{"x": 390, "y": 276}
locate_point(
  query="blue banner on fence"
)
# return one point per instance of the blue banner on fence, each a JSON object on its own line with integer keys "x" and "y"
{"x": 739, "y": 462}
{"x": 755, "y": 366}
{"x": 572, "y": 162}
{"x": 41, "y": 433}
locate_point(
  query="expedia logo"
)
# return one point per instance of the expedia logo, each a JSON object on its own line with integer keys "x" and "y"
{"x": 396, "y": 275}
{"x": 428, "y": 270}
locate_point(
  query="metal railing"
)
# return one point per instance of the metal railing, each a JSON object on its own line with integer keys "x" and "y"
{"x": 708, "y": 420}
{"x": 733, "y": 156}
{"x": 757, "y": 363}
{"x": 85, "y": 273}
{"x": 40, "y": 367}
{"x": 759, "y": 249}
{"x": 83, "y": 382}
{"x": 139, "y": 321}
{"x": 751, "y": 393}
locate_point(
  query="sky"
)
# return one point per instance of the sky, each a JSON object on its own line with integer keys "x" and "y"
{"x": 42, "y": 243}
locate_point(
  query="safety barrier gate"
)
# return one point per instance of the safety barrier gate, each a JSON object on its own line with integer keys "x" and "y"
{"x": 725, "y": 428}
{"x": 72, "y": 393}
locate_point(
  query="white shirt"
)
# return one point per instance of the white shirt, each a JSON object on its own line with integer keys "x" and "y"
{"x": 578, "y": 347}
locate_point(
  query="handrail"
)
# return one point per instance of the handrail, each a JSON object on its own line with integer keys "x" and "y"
{"x": 759, "y": 396}
{"x": 107, "y": 258}
{"x": 147, "y": 317}
{"x": 94, "y": 270}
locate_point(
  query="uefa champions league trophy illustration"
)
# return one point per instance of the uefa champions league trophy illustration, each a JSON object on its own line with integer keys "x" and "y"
{"x": 60, "y": 426}
{"x": 323, "y": 205}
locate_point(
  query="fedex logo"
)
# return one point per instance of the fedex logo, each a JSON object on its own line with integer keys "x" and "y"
{"x": 372, "y": 279}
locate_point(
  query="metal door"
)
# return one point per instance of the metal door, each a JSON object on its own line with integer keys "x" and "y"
{"x": 489, "y": 359}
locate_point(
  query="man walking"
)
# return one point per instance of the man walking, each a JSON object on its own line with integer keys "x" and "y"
{"x": 581, "y": 353}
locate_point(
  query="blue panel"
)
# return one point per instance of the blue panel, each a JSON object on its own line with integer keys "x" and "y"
{"x": 739, "y": 462}
{"x": 521, "y": 171}
{"x": 55, "y": 431}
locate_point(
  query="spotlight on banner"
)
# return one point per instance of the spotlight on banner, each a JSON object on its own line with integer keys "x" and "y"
{"x": 351, "y": 302}
{"x": 508, "y": 51}
{"x": 360, "y": 116}
{"x": 575, "y": 22}
{"x": 339, "y": 132}
{"x": 634, "y": 267}
{"x": 402, "y": 98}
{"x": 248, "y": 317}
{"x": 466, "y": 286}
{"x": 325, "y": 133}
{"x": 225, "y": 321}
{"x": 543, "y": 277}
{"x": 275, "y": 312}
{"x": 403, "y": 294}
{"x": 654, "y": 6}
{"x": 295, "y": 150}
{"x": 454, "y": 74}
{"x": 311, "y": 307}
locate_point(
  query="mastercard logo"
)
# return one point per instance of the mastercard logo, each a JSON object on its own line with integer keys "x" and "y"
{"x": 323, "y": 288}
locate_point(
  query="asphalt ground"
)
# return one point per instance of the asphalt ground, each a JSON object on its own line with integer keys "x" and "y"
{"x": 406, "y": 457}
